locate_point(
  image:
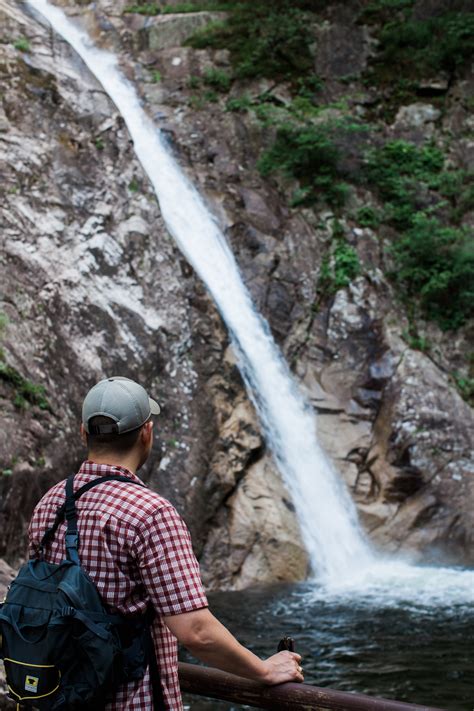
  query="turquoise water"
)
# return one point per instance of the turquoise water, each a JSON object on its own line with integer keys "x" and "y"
{"x": 388, "y": 646}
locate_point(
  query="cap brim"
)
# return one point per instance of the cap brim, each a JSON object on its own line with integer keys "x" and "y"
{"x": 155, "y": 409}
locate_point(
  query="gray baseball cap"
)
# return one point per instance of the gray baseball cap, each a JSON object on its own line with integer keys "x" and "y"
{"x": 122, "y": 400}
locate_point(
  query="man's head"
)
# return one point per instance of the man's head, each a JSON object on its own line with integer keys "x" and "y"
{"x": 116, "y": 420}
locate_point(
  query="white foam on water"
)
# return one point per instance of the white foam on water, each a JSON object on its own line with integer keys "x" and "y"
{"x": 339, "y": 553}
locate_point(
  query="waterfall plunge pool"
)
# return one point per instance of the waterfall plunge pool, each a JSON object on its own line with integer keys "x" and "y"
{"x": 388, "y": 642}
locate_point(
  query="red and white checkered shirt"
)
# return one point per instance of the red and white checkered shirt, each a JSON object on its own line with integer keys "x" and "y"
{"x": 136, "y": 548}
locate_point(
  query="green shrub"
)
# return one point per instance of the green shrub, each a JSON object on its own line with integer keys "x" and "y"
{"x": 25, "y": 392}
{"x": 239, "y": 103}
{"x": 218, "y": 79}
{"x": 465, "y": 385}
{"x": 368, "y": 217}
{"x": 339, "y": 267}
{"x": 22, "y": 44}
{"x": 346, "y": 264}
{"x": 435, "y": 265}
{"x": 264, "y": 39}
{"x": 312, "y": 155}
{"x": 145, "y": 9}
{"x": 423, "y": 47}
{"x": 398, "y": 172}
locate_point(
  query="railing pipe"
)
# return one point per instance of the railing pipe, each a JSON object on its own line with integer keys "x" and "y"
{"x": 216, "y": 684}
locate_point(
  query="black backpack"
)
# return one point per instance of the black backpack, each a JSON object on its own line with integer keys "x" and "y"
{"x": 62, "y": 649}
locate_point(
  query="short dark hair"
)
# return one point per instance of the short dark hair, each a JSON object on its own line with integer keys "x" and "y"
{"x": 111, "y": 443}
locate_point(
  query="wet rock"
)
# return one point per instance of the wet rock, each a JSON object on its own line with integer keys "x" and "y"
{"x": 260, "y": 540}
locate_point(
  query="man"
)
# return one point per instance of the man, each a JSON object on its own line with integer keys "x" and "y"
{"x": 137, "y": 550}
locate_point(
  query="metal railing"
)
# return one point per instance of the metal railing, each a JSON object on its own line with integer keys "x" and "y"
{"x": 216, "y": 684}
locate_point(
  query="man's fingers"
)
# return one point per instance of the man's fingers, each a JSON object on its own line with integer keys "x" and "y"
{"x": 296, "y": 657}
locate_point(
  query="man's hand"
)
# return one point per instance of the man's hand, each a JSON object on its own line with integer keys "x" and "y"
{"x": 208, "y": 640}
{"x": 281, "y": 667}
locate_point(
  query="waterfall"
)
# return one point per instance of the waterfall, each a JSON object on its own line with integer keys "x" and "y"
{"x": 326, "y": 514}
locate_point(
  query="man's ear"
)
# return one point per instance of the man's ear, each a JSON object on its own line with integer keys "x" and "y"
{"x": 83, "y": 434}
{"x": 147, "y": 432}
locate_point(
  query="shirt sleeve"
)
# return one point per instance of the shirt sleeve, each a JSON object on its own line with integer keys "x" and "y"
{"x": 168, "y": 566}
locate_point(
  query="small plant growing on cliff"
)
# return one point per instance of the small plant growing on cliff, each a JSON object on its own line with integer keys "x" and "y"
{"x": 368, "y": 217}
{"x": 218, "y": 79}
{"x": 311, "y": 154}
{"x": 22, "y": 44}
{"x": 145, "y": 9}
{"x": 25, "y": 392}
{"x": 340, "y": 266}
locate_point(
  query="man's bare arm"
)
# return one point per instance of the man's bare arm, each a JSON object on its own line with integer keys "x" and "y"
{"x": 208, "y": 640}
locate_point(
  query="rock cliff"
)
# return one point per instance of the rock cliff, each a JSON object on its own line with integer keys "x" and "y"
{"x": 92, "y": 284}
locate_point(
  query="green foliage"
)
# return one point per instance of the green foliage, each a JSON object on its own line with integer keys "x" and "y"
{"x": 156, "y": 77}
{"x": 210, "y": 96}
{"x": 22, "y": 44}
{"x": 423, "y": 47}
{"x": 368, "y": 217}
{"x": 134, "y": 185}
{"x": 465, "y": 385}
{"x": 346, "y": 264}
{"x": 310, "y": 154}
{"x": 99, "y": 144}
{"x": 193, "y": 82}
{"x": 240, "y": 103}
{"x": 339, "y": 267}
{"x": 380, "y": 8}
{"x": 153, "y": 8}
{"x": 25, "y": 392}
{"x": 145, "y": 9}
{"x": 397, "y": 171}
{"x": 218, "y": 79}
{"x": 264, "y": 39}
{"x": 435, "y": 264}
{"x": 415, "y": 340}
{"x": 196, "y": 6}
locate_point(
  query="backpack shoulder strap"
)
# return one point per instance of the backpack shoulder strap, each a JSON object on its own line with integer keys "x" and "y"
{"x": 68, "y": 510}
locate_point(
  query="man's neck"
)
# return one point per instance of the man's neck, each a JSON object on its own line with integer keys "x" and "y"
{"x": 117, "y": 460}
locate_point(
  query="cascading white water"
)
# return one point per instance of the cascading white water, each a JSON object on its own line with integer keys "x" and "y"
{"x": 339, "y": 554}
{"x": 325, "y": 511}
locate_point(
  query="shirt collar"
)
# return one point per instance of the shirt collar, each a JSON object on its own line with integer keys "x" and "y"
{"x": 93, "y": 469}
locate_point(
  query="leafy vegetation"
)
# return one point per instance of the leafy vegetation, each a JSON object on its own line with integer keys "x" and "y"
{"x": 25, "y": 392}
{"x": 22, "y": 44}
{"x": 368, "y": 217}
{"x": 218, "y": 79}
{"x": 155, "y": 9}
{"x": 310, "y": 154}
{"x": 264, "y": 39}
{"x": 424, "y": 47}
{"x": 465, "y": 385}
{"x": 339, "y": 267}
{"x": 434, "y": 263}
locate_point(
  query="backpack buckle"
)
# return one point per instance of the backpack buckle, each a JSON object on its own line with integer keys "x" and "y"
{"x": 72, "y": 540}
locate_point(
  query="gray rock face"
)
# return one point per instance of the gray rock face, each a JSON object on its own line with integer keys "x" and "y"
{"x": 92, "y": 284}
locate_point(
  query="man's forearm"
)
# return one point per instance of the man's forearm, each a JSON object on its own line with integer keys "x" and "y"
{"x": 212, "y": 643}
{"x": 218, "y": 648}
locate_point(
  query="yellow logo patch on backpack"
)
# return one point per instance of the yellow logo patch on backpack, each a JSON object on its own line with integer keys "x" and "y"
{"x": 31, "y": 684}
